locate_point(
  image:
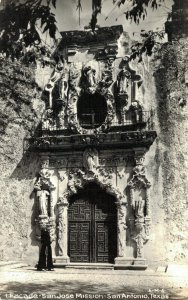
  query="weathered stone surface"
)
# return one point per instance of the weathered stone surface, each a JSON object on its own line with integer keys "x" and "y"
{"x": 20, "y": 112}
{"x": 165, "y": 163}
{"x": 172, "y": 112}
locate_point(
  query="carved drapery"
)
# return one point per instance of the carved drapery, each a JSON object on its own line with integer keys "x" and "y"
{"x": 122, "y": 228}
{"x": 140, "y": 220}
{"x": 44, "y": 200}
{"x": 62, "y": 228}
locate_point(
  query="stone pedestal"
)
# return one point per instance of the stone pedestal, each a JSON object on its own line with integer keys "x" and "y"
{"x": 130, "y": 263}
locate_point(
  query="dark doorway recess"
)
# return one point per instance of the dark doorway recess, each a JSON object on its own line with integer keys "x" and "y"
{"x": 92, "y": 226}
{"x": 92, "y": 110}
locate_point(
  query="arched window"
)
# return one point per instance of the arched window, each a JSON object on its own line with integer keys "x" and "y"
{"x": 92, "y": 110}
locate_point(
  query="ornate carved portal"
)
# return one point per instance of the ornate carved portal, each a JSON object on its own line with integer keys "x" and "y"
{"x": 94, "y": 108}
{"x": 78, "y": 181}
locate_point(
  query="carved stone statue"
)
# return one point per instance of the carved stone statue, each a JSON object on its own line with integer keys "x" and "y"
{"x": 90, "y": 159}
{"x": 123, "y": 78}
{"x": 89, "y": 73}
{"x": 89, "y": 79}
{"x": 139, "y": 236}
{"x": 43, "y": 198}
{"x": 59, "y": 76}
{"x": 136, "y": 111}
{"x": 123, "y": 82}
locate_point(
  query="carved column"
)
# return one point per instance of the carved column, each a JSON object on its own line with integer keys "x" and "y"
{"x": 121, "y": 208}
{"x": 51, "y": 204}
{"x": 121, "y": 233}
{"x": 63, "y": 230}
{"x": 139, "y": 220}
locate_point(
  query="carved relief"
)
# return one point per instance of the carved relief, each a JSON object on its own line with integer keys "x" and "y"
{"x": 122, "y": 227}
{"x": 140, "y": 222}
{"x": 62, "y": 228}
{"x": 106, "y": 76}
{"x": 77, "y": 179}
{"x": 58, "y": 163}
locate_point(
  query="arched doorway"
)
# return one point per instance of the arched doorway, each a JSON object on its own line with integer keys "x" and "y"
{"x": 92, "y": 226}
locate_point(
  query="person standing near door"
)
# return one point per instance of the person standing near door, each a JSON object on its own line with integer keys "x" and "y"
{"x": 45, "y": 257}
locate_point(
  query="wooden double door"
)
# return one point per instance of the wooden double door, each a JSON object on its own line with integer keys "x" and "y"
{"x": 92, "y": 227}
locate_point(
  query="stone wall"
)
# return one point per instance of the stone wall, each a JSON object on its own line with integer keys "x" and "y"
{"x": 20, "y": 112}
{"x": 172, "y": 150}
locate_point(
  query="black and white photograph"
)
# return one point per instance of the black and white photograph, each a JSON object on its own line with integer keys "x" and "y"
{"x": 94, "y": 149}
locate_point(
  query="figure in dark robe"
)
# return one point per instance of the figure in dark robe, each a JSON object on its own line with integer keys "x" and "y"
{"x": 45, "y": 257}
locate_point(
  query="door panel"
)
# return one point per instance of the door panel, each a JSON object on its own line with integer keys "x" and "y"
{"x": 92, "y": 227}
{"x": 79, "y": 245}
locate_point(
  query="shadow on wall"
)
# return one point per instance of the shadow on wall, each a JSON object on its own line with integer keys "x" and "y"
{"x": 24, "y": 176}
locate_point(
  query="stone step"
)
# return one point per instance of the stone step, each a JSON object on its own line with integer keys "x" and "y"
{"x": 83, "y": 265}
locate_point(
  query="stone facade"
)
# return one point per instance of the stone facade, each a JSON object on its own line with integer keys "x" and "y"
{"x": 121, "y": 154}
{"x": 81, "y": 142}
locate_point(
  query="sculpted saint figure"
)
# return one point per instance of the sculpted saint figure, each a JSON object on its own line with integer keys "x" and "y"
{"x": 89, "y": 74}
{"x": 123, "y": 81}
{"x": 90, "y": 159}
{"x": 43, "y": 202}
{"x": 59, "y": 76}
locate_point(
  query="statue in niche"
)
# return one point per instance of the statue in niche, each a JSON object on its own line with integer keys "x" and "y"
{"x": 58, "y": 77}
{"x": 90, "y": 159}
{"x": 123, "y": 78}
{"x": 43, "y": 200}
{"x": 89, "y": 79}
{"x": 136, "y": 110}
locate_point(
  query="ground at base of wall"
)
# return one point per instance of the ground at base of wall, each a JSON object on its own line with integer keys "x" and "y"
{"x": 25, "y": 282}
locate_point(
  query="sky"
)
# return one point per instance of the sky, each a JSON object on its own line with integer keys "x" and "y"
{"x": 67, "y": 16}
